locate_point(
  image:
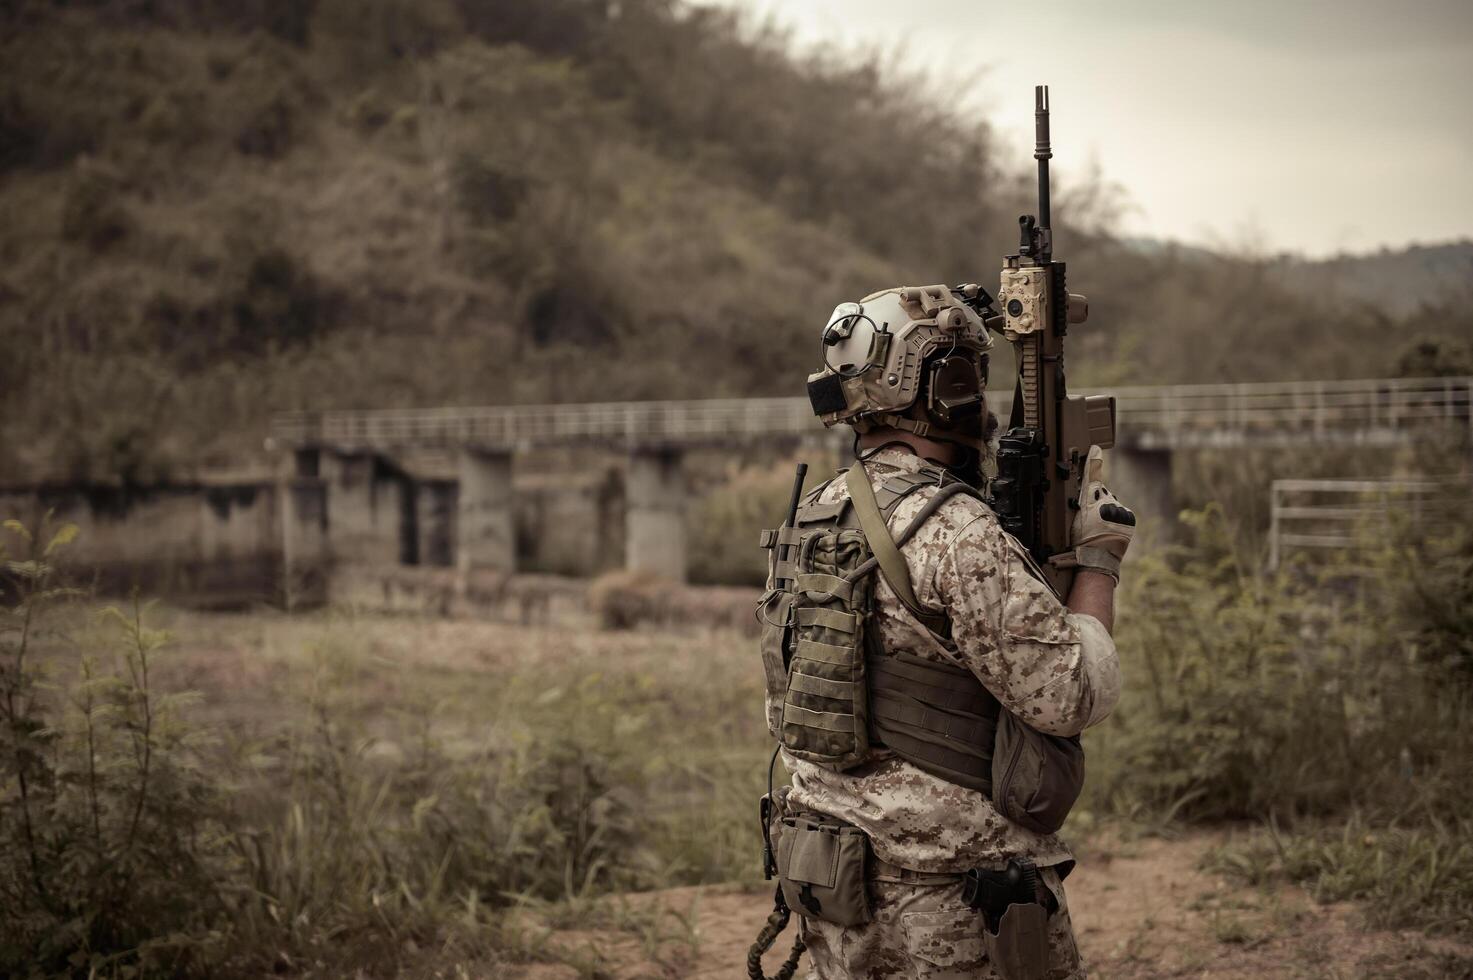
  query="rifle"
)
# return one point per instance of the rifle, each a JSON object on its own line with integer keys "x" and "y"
{"x": 1040, "y": 459}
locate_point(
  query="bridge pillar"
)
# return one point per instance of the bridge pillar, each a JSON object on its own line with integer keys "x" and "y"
{"x": 302, "y": 498}
{"x": 654, "y": 513}
{"x": 485, "y": 516}
{"x": 1141, "y": 478}
{"x": 365, "y": 508}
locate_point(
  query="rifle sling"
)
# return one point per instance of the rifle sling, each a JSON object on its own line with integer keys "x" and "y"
{"x": 882, "y": 545}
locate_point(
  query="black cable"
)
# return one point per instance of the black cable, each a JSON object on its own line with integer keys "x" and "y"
{"x": 868, "y": 355}
{"x": 869, "y": 454}
{"x": 766, "y": 826}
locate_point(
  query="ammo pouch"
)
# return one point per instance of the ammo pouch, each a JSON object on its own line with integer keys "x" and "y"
{"x": 825, "y": 706}
{"x": 822, "y": 865}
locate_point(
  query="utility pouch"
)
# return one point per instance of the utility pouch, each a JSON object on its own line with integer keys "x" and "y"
{"x": 821, "y": 867}
{"x": 1036, "y": 777}
{"x": 825, "y": 702}
{"x": 775, "y": 612}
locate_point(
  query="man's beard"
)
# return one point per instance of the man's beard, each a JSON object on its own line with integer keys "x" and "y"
{"x": 977, "y": 453}
{"x": 987, "y": 461}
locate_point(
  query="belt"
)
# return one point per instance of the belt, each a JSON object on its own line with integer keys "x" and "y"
{"x": 881, "y": 870}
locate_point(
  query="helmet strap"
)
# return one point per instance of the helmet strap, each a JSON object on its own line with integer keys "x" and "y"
{"x": 890, "y": 420}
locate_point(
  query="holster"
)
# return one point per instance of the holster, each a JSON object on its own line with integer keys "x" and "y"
{"x": 1015, "y": 907}
{"x": 1019, "y": 948}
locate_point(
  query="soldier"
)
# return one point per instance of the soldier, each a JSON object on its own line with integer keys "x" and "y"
{"x": 907, "y": 369}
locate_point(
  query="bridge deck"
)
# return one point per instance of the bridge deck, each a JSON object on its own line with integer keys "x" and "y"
{"x": 1364, "y": 412}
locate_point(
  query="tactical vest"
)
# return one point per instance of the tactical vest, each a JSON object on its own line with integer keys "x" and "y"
{"x": 835, "y": 696}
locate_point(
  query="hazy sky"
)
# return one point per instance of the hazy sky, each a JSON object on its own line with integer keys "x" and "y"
{"x": 1307, "y": 125}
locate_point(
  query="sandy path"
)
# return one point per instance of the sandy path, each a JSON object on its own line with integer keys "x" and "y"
{"x": 1142, "y": 909}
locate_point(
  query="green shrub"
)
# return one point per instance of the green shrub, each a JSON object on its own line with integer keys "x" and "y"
{"x": 269, "y": 130}
{"x": 1418, "y": 876}
{"x": 1435, "y": 357}
{"x": 487, "y": 194}
{"x": 112, "y": 833}
{"x": 625, "y": 599}
{"x": 725, "y": 525}
{"x": 22, "y": 134}
{"x": 1250, "y": 694}
{"x": 133, "y": 844}
{"x": 1333, "y": 706}
{"x": 280, "y": 303}
{"x": 93, "y": 213}
{"x": 1432, "y": 589}
{"x": 372, "y": 37}
{"x": 426, "y": 845}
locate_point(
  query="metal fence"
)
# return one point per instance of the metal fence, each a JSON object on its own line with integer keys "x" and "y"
{"x": 1345, "y": 515}
{"x": 1299, "y": 413}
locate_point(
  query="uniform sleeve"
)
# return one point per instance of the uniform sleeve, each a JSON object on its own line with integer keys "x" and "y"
{"x": 1056, "y": 670}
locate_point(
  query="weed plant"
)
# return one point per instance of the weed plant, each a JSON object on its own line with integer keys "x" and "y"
{"x": 1406, "y": 872}
{"x": 113, "y": 834}
{"x": 399, "y": 791}
{"x": 1305, "y": 698}
{"x": 365, "y": 831}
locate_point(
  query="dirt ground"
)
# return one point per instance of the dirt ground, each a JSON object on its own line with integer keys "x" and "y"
{"x": 1142, "y": 909}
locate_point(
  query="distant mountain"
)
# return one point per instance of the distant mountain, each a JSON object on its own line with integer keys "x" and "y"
{"x": 1162, "y": 247}
{"x": 1399, "y": 281}
{"x": 1396, "y": 281}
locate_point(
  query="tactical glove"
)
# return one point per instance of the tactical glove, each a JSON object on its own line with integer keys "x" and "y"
{"x": 1103, "y": 527}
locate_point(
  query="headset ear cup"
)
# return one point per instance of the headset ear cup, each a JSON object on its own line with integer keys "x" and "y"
{"x": 954, "y": 389}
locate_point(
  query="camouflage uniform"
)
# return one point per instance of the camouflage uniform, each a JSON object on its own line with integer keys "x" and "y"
{"x": 1056, "y": 670}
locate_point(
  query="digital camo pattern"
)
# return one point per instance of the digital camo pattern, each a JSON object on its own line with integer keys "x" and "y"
{"x": 925, "y": 932}
{"x": 1054, "y": 669}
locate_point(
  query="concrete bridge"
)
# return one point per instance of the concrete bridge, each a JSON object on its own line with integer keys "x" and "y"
{"x": 334, "y": 510}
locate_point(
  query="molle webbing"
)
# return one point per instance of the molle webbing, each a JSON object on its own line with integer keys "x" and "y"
{"x": 935, "y": 716}
{"x": 825, "y": 702}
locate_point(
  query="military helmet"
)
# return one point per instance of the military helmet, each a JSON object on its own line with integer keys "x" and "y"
{"x": 912, "y": 357}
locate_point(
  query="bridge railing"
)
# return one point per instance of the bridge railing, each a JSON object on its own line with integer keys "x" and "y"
{"x": 1316, "y": 406}
{"x": 676, "y": 422}
{"x": 1166, "y": 415}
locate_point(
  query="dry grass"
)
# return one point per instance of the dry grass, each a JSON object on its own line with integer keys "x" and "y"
{"x": 411, "y": 781}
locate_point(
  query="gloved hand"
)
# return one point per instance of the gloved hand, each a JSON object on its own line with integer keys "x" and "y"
{"x": 1103, "y": 527}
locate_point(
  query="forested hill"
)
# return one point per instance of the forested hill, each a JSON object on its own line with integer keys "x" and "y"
{"x": 213, "y": 210}
{"x": 1400, "y": 281}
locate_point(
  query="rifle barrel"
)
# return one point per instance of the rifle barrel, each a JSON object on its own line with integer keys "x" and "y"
{"x": 1042, "y": 151}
